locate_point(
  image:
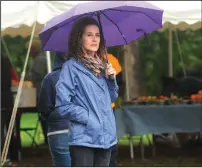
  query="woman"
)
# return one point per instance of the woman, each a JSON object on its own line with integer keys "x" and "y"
{"x": 84, "y": 93}
{"x": 58, "y": 127}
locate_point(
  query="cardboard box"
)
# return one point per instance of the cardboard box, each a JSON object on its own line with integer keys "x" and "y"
{"x": 27, "y": 98}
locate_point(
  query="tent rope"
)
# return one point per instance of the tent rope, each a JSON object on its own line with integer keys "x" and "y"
{"x": 179, "y": 48}
{"x": 17, "y": 99}
{"x": 180, "y": 52}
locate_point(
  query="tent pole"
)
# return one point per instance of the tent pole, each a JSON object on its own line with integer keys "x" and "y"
{"x": 48, "y": 59}
{"x": 170, "y": 51}
{"x": 126, "y": 74}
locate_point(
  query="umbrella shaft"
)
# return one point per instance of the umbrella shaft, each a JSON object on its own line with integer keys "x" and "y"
{"x": 102, "y": 34}
{"x": 98, "y": 17}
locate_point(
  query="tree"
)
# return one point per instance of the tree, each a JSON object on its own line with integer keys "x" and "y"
{"x": 155, "y": 59}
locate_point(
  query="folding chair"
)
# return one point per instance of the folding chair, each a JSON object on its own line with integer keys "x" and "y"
{"x": 26, "y": 130}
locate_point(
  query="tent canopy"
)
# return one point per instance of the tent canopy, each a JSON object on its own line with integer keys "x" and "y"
{"x": 22, "y": 14}
{"x": 16, "y": 13}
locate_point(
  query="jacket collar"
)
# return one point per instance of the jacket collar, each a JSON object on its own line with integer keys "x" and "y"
{"x": 87, "y": 72}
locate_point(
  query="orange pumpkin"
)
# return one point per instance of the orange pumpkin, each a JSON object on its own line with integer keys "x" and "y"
{"x": 193, "y": 97}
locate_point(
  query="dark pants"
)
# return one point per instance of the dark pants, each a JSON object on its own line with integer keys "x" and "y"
{"x": 113, "y": 162}
{"x": 89, "y": 157}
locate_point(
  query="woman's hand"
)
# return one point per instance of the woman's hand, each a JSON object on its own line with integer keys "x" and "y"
{"x": 110, "y": 71}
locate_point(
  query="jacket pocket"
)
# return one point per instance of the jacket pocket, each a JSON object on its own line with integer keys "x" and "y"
{"x": 77, "y": 130}
{"x": 94, "y": 129}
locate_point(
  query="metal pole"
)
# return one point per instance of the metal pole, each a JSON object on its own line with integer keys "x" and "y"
{"x": 48, "y": 59}
{"x": 102, "y": 34}
{"x": 126, "y": 73}
{"x": 170, "y": 51}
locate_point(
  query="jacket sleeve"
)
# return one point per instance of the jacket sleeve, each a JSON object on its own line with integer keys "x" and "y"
{"x": 65, "y": 92}
{"x": 45, "y": 103}
{"x": 113, "y": 89}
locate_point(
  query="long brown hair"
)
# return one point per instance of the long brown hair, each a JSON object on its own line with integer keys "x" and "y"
{"x": 75, "y": 43}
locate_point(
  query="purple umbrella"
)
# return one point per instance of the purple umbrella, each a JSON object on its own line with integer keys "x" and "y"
{"x": 121, "y": 22}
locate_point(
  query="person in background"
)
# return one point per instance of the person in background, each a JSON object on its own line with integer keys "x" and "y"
{"x": 115, "y": 63}
{"x": 58, "y": 127}
{"x": 84, "y": 93}
{"x": 36, "y": 73}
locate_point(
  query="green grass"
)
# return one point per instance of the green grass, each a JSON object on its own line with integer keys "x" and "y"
{"x": 136, "y": 140}
{"x": 30, "y": 119}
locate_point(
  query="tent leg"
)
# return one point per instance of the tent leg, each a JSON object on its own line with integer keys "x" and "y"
{"x": 48, "y": 61}
{"x": 131, "y": 147}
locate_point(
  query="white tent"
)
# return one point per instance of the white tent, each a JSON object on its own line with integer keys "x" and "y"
{"x": 180, "y": 11}
{"x": 14, "y": 14}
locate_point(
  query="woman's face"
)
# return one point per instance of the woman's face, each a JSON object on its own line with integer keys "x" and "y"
{"x": 91, "y": 38}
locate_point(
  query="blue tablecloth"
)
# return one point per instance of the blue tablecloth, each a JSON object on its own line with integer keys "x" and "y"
{"x": 155, "y": 119}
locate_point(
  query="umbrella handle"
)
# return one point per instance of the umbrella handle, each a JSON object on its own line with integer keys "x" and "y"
{"x": 111, "y": 77}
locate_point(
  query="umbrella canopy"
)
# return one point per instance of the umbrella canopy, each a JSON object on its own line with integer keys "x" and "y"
{"x": 122, "y": 22}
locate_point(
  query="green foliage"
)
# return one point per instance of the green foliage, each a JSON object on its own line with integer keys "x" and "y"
{"x": 154, "y": 59}
{"x": 18, "y": 51}
{"x": 17, "y": 48}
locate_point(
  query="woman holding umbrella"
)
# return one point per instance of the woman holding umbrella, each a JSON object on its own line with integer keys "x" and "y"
{"x": 84, "y": 94}
{"x": 84, "y": 90}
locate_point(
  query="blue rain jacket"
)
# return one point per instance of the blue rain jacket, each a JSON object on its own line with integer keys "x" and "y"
{"x": 86, "y": 100}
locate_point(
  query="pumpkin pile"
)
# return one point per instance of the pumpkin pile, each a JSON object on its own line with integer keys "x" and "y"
{"x": 27, "y": 84}
{"x": 164, "y": 100}
{"x": 196, "y": 97}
